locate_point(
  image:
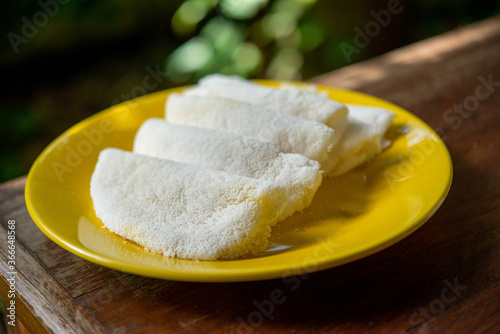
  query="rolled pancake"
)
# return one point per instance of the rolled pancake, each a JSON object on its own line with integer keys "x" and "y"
{"x": 297, "y": 175}
{"x": 359, "y": 143}
{"x": 362, "y": 139}
{"x": 182, "y": 210}
{"x": 380, "y": 118}
{"x": 289, "y": 134}
{"x": 294, "y": 102}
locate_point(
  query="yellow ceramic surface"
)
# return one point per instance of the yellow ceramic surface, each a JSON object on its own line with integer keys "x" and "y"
{"x": 351, "y": 217}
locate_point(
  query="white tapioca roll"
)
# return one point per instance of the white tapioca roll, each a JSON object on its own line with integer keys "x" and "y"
{"x": 293, "y": 102}
{"x": 289, "y": 134}
{"x": 362, "y": 139}
{"x": 181, "y": 210}
{"x": 298, "y": 176}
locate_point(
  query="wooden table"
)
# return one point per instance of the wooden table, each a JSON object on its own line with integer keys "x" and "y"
{"x": 444, "y": 278}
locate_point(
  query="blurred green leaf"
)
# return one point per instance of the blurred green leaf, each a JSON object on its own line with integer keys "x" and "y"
{"x": 241, "y": 9}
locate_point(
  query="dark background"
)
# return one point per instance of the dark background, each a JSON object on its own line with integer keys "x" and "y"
{"x": 89, "y": 55}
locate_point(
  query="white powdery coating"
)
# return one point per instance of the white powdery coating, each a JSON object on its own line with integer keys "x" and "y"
{"x": 289, "y": 134}
{"x": 362, "y": 139}
{"x": 182, "y": 210}
{"x": 297, "y": 175}
{"x": 295, "y": 102}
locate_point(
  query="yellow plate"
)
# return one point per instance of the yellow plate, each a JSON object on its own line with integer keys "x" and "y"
{"x": 351, "y": 217}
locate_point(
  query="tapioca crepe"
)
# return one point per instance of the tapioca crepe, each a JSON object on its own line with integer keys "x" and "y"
{"x": 296, "y": 103}
{"x": 230, "y": 160}
{"x": 361, "y": 141}
{"x": 298, "y": 176}
{"x": 182, "y": 210}
{"x": 289, "y": 134}
{"x": 380, "y": 118}
{"x": 359, "y": 130}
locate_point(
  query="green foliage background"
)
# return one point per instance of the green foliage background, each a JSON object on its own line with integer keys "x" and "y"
{"x": 92, "y": 54}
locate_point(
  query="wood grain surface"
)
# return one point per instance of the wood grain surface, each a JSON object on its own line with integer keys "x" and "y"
{"x": 444, "y": 278}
